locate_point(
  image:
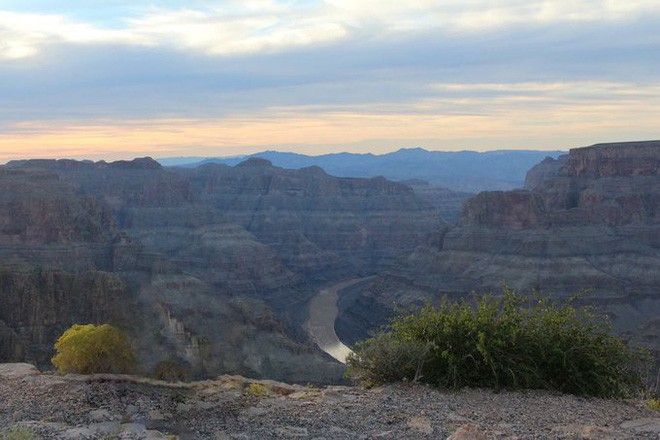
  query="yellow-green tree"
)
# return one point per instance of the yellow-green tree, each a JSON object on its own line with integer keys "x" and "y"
{"x": 87, "y": 349}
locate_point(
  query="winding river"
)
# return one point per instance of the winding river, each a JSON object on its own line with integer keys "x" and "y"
{"x": 323, "y": 312}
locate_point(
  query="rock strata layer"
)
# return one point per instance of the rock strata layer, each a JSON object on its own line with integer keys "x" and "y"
{"x": 318, "y": 223}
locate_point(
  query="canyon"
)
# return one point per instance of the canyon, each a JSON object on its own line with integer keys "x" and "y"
{"x": 209, "y": 269}
{"x": 213, "y": 268}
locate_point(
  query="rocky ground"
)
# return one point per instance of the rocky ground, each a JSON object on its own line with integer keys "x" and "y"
{"x": 232, "y": 407}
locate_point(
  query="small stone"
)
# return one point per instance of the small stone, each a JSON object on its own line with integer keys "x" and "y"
{"x": 151, "y": 434}
{"x": 421, "y": 424}
{"x": 99, "y": 415}
{"x": 96, "y": 430}
{"x": 154, "y": 414}
{"x": 183, "y": 407}
{"x": 17, "y": 371}
{"x": 132, "y": 429}
{"x": 291, "y": 431}
{"x": 254, "y": 411}
{"x": 18, "y": 415}
{"x": 648, "y": 424}
{"x": 221, "y": 435}
{"x": 468, "y": 432}
{"x": 204, "y": 405}
{"x": 156, "y": 420}
{"x": 598, "y": 433}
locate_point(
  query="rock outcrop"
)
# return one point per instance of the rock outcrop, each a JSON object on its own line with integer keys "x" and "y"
{"x": 589, "y": 221}
{"x": 110, "y": 406}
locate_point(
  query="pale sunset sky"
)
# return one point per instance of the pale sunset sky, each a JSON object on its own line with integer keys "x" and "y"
{"x": 119, "y": 79}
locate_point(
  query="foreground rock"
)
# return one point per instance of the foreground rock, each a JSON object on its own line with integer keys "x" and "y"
{"x": 232, "y": 407}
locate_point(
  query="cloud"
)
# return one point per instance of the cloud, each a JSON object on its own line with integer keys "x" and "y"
{"x": 311, "y": 74}
{"x": 236, "y": 28}
{"x": 266, "y": 26}
{"x": 560, "y": 115}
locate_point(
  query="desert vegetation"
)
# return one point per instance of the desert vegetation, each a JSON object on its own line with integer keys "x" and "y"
{"x": 19, "y": 433}
{"x": 87, "y": 349}
{"x": 509, "y": 341}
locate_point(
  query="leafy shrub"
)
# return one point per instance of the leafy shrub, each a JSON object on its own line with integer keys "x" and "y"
{"x": 510, "y": 341}
{"x": 654, "y": 404}
{"x": 90, "y": 348}
{"x": 256, "y": 389}
{"x": 20, "y": 433}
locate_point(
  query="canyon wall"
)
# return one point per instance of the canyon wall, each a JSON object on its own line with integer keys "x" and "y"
{"x": 323, "y": 227}
{"x": 588, "y": 222}
{"x": 70, "y": 252}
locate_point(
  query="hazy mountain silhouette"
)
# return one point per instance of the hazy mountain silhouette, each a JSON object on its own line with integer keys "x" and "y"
{"x": 463, "y": 170}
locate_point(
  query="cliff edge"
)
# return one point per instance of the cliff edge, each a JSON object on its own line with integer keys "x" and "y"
{"x": 103, "y": 406}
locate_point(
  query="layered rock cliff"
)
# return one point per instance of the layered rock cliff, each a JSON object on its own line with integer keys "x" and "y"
{"x": 321, "y": 226}
{"x": 448, "y": 202}
{"x": 215, "y": 264}
{"x": 56, "y": 263}
{"x": 588, "y": 222}
{"x": 71, "y": 253}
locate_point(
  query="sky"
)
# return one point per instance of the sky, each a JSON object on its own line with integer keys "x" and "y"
{"x": 119, "y": 79}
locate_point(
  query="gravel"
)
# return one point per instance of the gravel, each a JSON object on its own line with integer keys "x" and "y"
{"x": 232, "y": 407}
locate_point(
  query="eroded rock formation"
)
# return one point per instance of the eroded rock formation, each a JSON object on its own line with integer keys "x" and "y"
{"x": 588, "y": 222}
{"x": 210, "y": 268}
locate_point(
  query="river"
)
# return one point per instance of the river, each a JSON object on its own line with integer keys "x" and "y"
{"x": 323, "y": 312}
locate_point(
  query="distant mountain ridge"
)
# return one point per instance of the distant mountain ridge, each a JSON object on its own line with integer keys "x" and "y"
{"x": 469, "y": 171}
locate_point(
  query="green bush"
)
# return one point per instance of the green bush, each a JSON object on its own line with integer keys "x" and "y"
{"x": 654, "y": 404}
{"x": 510, "y": 341}
{"x": 90, "y": 348}
{"x": 20, "y": 433}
